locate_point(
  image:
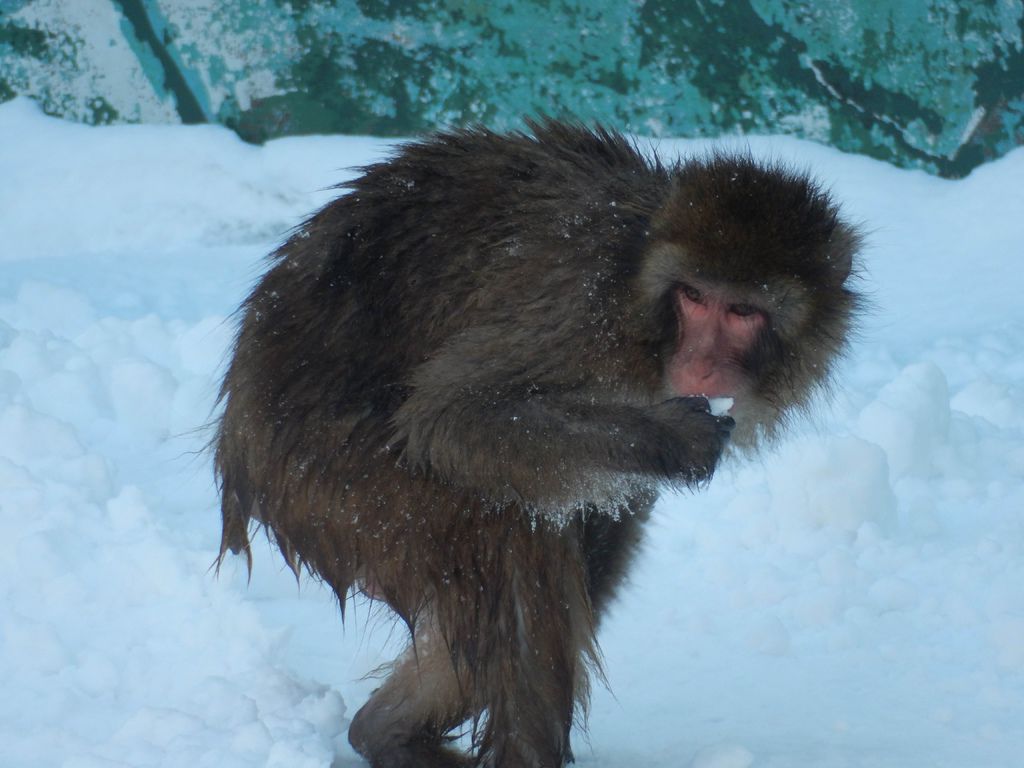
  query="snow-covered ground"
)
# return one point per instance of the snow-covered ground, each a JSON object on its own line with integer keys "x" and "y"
{"x": 854, "y": 598}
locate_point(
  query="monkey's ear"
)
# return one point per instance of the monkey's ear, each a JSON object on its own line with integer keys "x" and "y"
{"x": 842, "y": 250}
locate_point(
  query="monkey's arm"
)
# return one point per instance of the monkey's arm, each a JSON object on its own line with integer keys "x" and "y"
{"x": 495, "y": 426}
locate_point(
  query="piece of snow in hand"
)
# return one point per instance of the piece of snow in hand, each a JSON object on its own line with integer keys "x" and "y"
{"x": 720, "y": 406}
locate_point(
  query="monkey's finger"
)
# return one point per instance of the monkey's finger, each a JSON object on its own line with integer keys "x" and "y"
{"x": 726, "y": 423}
{"x": 725, "y": 427}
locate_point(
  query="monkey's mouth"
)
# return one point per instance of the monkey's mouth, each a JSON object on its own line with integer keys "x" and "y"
{"x": 717, "y": 386}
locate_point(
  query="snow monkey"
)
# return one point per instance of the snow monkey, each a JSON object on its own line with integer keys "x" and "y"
{"x": 460, "y": 387}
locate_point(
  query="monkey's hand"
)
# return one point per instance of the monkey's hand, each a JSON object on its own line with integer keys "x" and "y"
{"x": 687, "y": 442}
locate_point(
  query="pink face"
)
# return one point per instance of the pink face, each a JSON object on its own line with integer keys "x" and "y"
{"x": 714, "y": 335}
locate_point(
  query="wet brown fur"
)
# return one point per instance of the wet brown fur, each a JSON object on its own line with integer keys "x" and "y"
{"x": 449, "y": 387}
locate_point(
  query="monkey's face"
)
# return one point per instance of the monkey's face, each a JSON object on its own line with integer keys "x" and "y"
{"x": 715, "y": 335}
{"x": 767, "y": 343}
{"x": 722, "y": 338}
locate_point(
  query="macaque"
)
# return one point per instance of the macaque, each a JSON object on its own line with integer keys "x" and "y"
{"x": 461, "y": 386}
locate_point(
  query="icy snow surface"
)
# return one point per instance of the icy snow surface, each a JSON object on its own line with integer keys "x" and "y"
{"x": 853, "y": 598}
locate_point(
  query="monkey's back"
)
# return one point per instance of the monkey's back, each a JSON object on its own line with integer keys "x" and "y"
{"x": 462, "y": 216}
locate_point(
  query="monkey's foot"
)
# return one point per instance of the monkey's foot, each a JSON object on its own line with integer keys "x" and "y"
{"x": 420, "y": 753}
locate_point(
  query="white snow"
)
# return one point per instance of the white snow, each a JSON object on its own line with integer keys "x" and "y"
{"x": 720, "y": 406}
{"x": 854, "y": 597}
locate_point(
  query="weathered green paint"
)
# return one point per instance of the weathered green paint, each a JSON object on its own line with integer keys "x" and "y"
{"x": 160, "y": 44}
{"x": 937, "y": 84}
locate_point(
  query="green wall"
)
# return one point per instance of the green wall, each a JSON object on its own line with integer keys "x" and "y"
{"x": 936, "y": 84}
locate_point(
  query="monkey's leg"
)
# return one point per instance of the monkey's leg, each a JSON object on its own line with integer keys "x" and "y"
{"x": 533, "y": 642}
{"x": 404, "y": 723}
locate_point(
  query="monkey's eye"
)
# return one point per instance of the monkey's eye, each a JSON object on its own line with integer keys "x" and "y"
{"x": 743, "y": 310}
{"x": 691, "y": 293}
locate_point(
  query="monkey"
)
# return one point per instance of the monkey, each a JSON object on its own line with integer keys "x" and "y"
{"x": 461, "y": 386}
